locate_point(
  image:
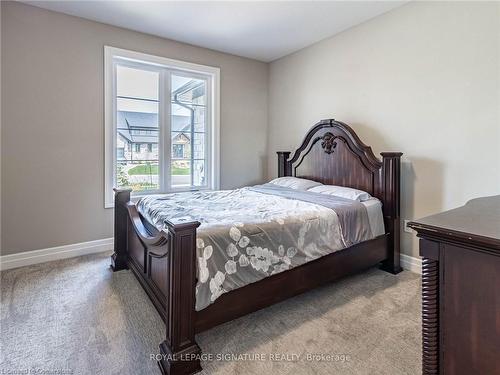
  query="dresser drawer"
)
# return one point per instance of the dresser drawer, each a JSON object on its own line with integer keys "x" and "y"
{"x": 470, "y": 311}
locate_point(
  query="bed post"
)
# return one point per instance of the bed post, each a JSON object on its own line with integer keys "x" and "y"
{"x": 391, "y": 175}
{"x": 119, "y": 257}
{"x": 284, "y": 167}
{"x": 180, "y": 354}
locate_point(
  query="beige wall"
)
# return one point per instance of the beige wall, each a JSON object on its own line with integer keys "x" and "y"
{"x": 423, "y": 79}
{"x": 0, "y": 129}
{"x": 52, "y": 123}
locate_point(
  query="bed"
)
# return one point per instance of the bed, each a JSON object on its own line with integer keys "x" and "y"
{"x": 205, "y": 258}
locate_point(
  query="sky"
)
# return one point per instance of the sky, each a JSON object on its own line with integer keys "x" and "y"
{"x": 144, "y": 84}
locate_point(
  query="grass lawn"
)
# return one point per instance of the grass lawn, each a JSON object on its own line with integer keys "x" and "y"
{"x": 153, "y": 169}
{"x": 180, "y": 171}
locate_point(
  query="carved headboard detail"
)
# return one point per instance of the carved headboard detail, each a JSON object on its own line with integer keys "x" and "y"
{"x": 328, "y": 142}
{"x": 332, "y": 153}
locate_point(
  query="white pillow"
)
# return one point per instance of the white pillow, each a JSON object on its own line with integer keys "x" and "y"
{"x": 295, "y": 183}
{"x": 343, "y": 192}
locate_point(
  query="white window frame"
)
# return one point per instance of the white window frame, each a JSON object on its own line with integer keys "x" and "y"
{"x": 213, "y": 108}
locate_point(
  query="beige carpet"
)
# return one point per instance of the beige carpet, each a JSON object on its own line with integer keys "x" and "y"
{"x": 77, "y": 317}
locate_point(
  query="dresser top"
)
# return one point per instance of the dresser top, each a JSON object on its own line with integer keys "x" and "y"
{"x": 477, "y": 221}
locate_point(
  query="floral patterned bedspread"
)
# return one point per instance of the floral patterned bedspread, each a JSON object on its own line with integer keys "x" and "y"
{"x": 246, "y": 235}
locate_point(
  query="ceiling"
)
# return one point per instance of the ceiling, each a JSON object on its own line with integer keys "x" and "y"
{"x": 262, "y": 30}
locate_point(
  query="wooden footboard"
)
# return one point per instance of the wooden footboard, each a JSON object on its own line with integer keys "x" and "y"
{"x": 165, "y": 264}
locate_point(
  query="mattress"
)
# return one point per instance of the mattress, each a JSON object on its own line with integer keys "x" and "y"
{"x": 251, "y": 233}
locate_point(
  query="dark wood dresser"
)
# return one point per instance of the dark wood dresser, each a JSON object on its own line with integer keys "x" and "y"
{"x": 461, "y": 289}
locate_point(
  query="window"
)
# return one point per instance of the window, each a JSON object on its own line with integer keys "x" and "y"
{"x": 177, "y": 151}
{"x": 169, "y": 107}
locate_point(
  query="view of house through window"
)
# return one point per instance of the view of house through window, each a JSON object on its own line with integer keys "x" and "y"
{"x": 188, "y": 131}
{"x": 146, "y": 125}
{"x": 137, "y": 102}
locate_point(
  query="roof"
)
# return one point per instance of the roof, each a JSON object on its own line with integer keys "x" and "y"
{"x": 142, "y": 127}
{"x": 133, "y": 126}
{"x": 189, "y": 91}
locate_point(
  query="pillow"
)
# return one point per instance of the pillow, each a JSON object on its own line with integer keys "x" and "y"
{"x": 295, "y": 183}
{"x": 341, "y": 191}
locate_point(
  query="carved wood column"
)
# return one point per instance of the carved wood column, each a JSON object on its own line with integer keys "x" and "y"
{"x": 430, "y": 252}
{"x": 180, "y": 352}
{"x": 391, "y": 179}
{"x": 283, "y": 164}
{"x": 119, "y": 257}
{"x": 430, "y": 316}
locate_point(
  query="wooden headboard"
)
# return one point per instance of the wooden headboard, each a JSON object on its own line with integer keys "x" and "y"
{"x": 333, "y": 154}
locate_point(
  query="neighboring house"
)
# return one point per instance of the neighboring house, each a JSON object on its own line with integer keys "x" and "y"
{"x": 138, "y": 136}
{"x": 138, "y": 131}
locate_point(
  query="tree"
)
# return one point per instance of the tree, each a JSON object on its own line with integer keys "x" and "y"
{"x": 122, "y": 177}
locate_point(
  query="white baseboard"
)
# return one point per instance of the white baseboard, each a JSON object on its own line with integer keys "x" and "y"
{"x": 411, "y": 263}
{"x": 54, "y": 253}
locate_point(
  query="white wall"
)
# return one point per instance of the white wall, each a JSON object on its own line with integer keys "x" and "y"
{"x": 423, "y": 79}
{"x": 53, "y": 131}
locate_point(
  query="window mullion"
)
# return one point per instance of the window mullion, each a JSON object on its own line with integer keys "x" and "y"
{"x": 208, "y": 134}
{"x": 192, "y": 113}
{"x": 165, "y": 129}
